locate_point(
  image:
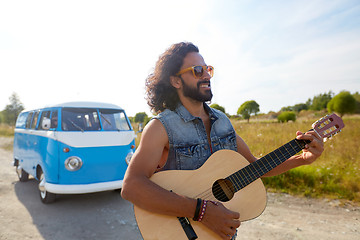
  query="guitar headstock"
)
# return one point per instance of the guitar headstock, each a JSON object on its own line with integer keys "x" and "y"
{"x": 328, "y": 126}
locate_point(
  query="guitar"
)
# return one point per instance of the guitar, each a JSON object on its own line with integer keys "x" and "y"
{"x": 226, "y": 177}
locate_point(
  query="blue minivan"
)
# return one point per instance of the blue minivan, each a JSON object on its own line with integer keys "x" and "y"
{"x": 74, "y": 147}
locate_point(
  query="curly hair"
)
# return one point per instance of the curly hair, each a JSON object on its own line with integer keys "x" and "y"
{"x": 160, "y": 93}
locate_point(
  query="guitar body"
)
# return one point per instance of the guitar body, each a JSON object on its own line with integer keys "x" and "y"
{"x": 250, "y": 201}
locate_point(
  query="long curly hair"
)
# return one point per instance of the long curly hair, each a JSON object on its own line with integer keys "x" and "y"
{"x": 160, "y": 94}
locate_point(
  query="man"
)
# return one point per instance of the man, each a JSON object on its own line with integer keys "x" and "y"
{"x": 184, "y": 134}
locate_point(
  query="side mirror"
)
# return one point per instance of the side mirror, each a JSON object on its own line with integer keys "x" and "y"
{"x": 45, "y": 124}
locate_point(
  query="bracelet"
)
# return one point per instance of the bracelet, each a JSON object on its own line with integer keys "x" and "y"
{"x": 203, "y": 210}
{"x": 197, "y": 209}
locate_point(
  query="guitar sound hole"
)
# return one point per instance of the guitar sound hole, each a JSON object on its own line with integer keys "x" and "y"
{"x": 223, "y": 190}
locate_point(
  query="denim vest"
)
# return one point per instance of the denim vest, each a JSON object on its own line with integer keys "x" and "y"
{"x": 188, "y": 143}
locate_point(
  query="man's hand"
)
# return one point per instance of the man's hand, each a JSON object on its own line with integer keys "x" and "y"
{"x": 221, "y": 220}
{"x": 312, "y": 150}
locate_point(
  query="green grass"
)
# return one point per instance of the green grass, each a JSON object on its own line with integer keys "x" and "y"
{"x": 334, "y": 175}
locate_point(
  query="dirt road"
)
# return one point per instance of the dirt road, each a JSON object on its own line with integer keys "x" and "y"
{"x": 107, "y": 216}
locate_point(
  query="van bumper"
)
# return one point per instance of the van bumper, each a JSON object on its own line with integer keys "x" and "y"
{"x": 83, "y": 188}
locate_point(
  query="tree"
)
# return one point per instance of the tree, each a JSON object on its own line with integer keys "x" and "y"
{"x": 247, "y": 108}
{"x": 342, "y": 103}
{"x": 296, "y": 108}
{"x": 140, "y": 117}
{"x": 218, "y": 107}
{"x": 357, "y": 98}
{"x": 13, "y": 109}
{"x": 320, "y": 101}
{"x": 300, "y": 106}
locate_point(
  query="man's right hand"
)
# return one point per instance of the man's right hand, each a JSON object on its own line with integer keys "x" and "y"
{"x": 221, "y": 220}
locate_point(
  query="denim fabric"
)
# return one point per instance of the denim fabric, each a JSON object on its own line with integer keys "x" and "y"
{"x": 188, "y": 142}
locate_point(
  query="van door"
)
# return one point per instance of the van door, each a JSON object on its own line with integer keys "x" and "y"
{"x": 27, "y": 150}
{"x": 20, "y": 137}
{"x": 48, "y": 146}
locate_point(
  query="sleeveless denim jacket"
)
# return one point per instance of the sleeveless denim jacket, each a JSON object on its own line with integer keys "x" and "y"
{"x": 188, "y": 143}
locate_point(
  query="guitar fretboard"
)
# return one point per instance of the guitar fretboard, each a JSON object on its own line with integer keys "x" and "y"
{"x": 253, "y": 171}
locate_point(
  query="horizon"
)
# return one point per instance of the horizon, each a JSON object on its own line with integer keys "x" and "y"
{"x": 209, "y": 103}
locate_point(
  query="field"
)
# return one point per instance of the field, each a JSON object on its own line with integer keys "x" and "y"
{"x": 334, "y": 175}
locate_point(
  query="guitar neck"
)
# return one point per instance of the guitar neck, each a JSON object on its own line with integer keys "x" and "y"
{"x": 255, "y": 170}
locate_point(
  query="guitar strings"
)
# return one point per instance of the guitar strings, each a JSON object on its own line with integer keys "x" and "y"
{"x": 244, "y": 180}
{"x": 291, "y": 148}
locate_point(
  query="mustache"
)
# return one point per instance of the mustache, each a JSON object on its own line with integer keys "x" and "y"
{"x": 203, "y": 82}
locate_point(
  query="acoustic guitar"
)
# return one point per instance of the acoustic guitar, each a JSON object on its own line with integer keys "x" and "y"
{"x": 225, "y": 177}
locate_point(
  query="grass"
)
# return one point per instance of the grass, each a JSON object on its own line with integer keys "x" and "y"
{"x": 6, "y": 130}
{"x": 334, "y": 175}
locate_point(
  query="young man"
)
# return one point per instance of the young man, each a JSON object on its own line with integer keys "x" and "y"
{"x": 183, "y": 136}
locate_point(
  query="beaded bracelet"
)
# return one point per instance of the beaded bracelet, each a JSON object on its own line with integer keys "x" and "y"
{"x": 203, "y": 208}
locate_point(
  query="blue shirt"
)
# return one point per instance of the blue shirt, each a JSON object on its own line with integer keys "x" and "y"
{"x": 188, "y": 143}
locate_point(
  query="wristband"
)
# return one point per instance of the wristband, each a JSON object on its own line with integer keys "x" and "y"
{"x": 197, "y": 209}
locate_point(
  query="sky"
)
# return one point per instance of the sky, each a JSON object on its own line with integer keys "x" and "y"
{"x": 278, "y": 53}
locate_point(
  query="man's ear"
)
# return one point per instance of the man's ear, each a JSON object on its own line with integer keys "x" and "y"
{"x": 175, "y": 82}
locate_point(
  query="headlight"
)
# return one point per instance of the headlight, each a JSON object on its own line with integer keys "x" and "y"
{"x": 128, "y": 157}
{"x": 73, "y": 163}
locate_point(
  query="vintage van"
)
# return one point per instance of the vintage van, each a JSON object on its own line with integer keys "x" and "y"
{"x": 74, "y": 147}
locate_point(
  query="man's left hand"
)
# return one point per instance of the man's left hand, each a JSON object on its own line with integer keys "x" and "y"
{"x": 313, "y": 149}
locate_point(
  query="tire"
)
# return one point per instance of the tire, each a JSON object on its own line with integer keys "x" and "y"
{"x": 45, "y": 196}
{"x": 22, "y": 175}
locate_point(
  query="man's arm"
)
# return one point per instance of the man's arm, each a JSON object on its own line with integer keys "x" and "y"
{"x": 137, "y": 187}
{"x": 311, "y": 152}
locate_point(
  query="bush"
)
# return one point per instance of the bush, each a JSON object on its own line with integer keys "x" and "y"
{"x": 286, "y": 116}
{"x": 342, "y": 103}
{"x": 218, "y": 107}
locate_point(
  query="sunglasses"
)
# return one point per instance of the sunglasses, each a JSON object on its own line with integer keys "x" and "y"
{"x": 198, "y": 71}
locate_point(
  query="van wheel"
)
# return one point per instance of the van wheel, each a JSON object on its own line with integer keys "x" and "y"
{"x": 22, "y": 175}
{"x": 45, "y": 196}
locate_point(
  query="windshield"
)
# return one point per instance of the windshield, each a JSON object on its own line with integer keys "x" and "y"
{"x": 113, "y": 120}
{"x": 86, "y": 119}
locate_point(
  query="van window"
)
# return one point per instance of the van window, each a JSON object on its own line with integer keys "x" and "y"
{"x": 34, "y": 121}
{"x": 54, "y": 119}
{"x": 79, "y": 119}
{"x": 28, "y": 120}
{"x": 44, "y": 115}
{"x": 21, "y": 120}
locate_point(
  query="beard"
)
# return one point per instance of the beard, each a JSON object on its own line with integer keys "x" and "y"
{"x": 195, "y": 93}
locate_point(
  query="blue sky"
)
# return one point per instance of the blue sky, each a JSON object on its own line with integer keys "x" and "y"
{"x": 278, "y": 53}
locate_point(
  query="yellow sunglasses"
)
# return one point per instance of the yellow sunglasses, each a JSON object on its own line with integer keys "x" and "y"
{"x": 198, "y": 71}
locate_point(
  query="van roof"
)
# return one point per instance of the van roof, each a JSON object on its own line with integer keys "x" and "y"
{"x": 87, "y": 105}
